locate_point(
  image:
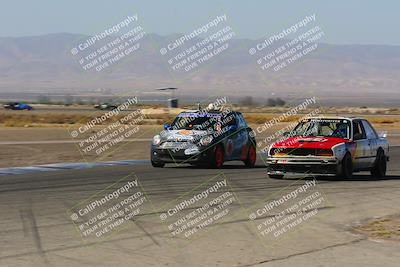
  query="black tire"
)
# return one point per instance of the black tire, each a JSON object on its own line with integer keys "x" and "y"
{"x": 218, "y": 157}
{"x": 275, "y": 176}
{"x": 380, "y": 165}
{"x": 157, "y": 164}
{"x": 346, "y": 170}
{"x": 251, "y": 158}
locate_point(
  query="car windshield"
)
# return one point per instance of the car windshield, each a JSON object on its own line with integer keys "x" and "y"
{"x": 323, "y": 127}
{"x": 194, "y": 122}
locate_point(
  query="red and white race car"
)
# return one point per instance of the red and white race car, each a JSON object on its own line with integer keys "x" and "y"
{"x": 335, "y": 146}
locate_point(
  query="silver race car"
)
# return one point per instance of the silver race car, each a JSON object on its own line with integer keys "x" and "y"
{"x": 335, "y": 146}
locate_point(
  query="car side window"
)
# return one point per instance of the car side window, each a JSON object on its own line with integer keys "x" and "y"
{"x": 241, "y": 121}
{"x": 358, "y": 131}
{"x": 230, "y": 119}
{"x": 370, "y": 132}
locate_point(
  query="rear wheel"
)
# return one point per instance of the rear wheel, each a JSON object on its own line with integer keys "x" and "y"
{"x": 250, "y": 161}
{"x": 379, "y": 168}
{"x": 218, "y": 158}
{"x": 346, "y": 171}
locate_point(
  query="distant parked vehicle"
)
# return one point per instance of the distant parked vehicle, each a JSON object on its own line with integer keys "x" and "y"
{"x": 105, "y": 106}
{"x": 17, "y": 106}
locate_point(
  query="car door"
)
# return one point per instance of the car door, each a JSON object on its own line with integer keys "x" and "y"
{"x": 362, "y": 153}
{"x": 241, "y": 138}
{"x": 372, "y": 138}
{"x": 230, "y": 126}
{"x": 229, "y": 141}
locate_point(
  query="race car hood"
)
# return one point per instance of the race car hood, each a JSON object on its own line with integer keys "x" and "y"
{"x": 310, "y": 142}
{"x": 182, "y": 135}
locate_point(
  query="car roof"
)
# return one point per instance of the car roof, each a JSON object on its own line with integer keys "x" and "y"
{"x": 336, "y": 117}
{"x": 203, "y": 111}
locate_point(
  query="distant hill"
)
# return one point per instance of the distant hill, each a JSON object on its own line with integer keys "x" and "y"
{"x": 45, "y": 63}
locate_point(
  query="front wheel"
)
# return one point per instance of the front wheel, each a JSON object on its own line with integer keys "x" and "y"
{"x": 346, "y": 170}
{"x": 379, "y": 169}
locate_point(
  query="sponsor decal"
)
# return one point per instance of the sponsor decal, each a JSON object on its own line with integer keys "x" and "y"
{"x": 317, "y": 139}
{"x": 185, "y": 132}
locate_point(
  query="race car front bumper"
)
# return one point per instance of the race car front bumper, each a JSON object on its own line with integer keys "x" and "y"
{"x": 328, "y": 166}
{"x": 179, "y": 156}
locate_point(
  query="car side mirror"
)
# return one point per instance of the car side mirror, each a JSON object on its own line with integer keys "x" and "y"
{"x": 167, "y": 126}
{"x": 357, "y": 136}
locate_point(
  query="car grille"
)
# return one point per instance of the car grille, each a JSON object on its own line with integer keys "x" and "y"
{"x": 282, "y": 152}
{"x": 175, "y": 144}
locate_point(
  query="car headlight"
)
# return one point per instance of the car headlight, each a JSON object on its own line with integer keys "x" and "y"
{"x": 156, "y": 140}
{"x": 205, "y": 141}
{"x": 324, "y": 152}
{"x": 268, "y": 150}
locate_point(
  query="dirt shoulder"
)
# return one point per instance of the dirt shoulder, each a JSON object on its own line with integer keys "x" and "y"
{"x": 387, "y": 228}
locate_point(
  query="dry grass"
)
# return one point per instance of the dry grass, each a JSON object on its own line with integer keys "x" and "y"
{"x": 32, "y": 119}
{"x": 37, "y": 120}
{"x": 18, "y": 120}
{"x": 385, "y": 228}
{"x": 262, "y": 118}
{"x": 384, "y": 121}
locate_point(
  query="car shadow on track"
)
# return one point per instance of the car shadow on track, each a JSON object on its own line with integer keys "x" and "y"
{"x": 355, "y": 178}
{"x": 224, "y": 167}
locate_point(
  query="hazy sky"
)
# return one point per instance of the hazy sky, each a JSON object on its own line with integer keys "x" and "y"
{"x": 343, "y": 21}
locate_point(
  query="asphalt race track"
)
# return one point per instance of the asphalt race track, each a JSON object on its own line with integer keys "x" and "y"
{"x": 36, "y": 228}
